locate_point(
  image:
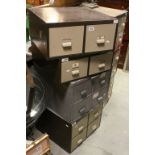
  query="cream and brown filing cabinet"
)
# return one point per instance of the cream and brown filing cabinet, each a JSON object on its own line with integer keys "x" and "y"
{"x": 73, "y": 48}
{"x": 121, "y": 15}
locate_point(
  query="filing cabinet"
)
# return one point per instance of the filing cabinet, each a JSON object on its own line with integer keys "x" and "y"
{"x": 121, "y": 15}
{"x": 76, "y": 45}
{"x": 100, "y": 63}
{"x": 67, "y": 135}
{"x": 71, "y": 101}
{"x": 74, "y": 69}
{"x": 59, "y": 31}
{"x": 100, "y": 37}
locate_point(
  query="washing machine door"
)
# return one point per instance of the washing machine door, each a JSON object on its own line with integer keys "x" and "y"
{"x": 35, "y": 97}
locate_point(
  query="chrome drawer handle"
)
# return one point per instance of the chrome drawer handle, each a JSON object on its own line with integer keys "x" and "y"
{"x": 75, "y": 72}
{"x": 67, "y": 44}
{"x": 101, "y": 66}
{"x": 84, "y": 93}
{"x": 96, "y": 115}
{"x": 81, "y": 128}
{"x": 82, "y": 110}
{"x": 102, "y": 82}
{"x": 80, "y": 141}
{"x": 100, "y": 99}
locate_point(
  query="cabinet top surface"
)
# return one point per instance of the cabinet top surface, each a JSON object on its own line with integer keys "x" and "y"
{"x": 110, "y": 11}
{"x": 53, "y": 15}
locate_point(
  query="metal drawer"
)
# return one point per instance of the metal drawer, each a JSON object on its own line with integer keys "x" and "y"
{"x": 100, "y": 63}
{"x": 79, "y": 126}
{"x": 65, "y": 40}
{"x": 94, "y": 113}
{"x": 78, "y": 140}
{"x": 82, "y": 90}
{"x": 80, "y": 109}
{"x": 93, "y": 126}
{"x": 100, "y": 37}
{"x": 74, "y": 69}
{"x": 99, "y": 97}
{"x": 100, "y": 81}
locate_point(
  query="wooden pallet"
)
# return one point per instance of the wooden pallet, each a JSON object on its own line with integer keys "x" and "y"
{"x": 40, "y": 146}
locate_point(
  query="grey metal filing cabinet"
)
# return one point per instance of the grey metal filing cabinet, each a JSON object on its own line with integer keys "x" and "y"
{"x": 71, "y": 101}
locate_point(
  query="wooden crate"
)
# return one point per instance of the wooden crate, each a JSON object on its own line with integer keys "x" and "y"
{"x": 40, "y": 146}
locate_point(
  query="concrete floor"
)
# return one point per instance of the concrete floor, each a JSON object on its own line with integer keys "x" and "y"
{"x": 111, "y": 138}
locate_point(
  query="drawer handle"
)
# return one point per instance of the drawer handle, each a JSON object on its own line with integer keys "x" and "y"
{"x": 100, "y": 41}
{"x": 100, "y": 99}
{"x": 84, "y": 93}
{"x": 67, "y": 44}
{"x": 94, "y": 127}
{"x": 80, "y": 141}
{"x": 75, "y": 72}
{"x": 96, "y": 115}
{"x": 101, "y": 66}
{"x": 123, "y": 24}
{"x": 102, "y": 82}
{"x": 117, "y": 58}
{"x": 82, "y": 110}
{"x": 81, "y": 128}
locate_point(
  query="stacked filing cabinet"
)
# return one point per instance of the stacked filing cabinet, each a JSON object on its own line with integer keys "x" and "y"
{"x": 73, "y": 50}
{"x": 121, "y": 15}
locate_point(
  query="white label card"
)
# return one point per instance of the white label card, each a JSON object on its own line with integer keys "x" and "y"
{"x": 91, "y": 28}
{"x": 116, "y": 21}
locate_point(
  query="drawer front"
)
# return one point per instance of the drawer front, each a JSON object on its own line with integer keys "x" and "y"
{"x": 93, "y": 126}
{"x": 82, "y": 91}
{"x": 80, "y": 109}
{"x": 79, "y": 126}
{"x": 74, "y": 69}
{"x": 100, "y": 63}
{"x": 78, "y": 140}
{"x": 100, "y": 37}
{"x": 95, "y": 113}
{"x": 65, "y": 40}
{"x": 100, "y": 81}
{"x": 121, "y": 24}
{"x": 99, "y": 97}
